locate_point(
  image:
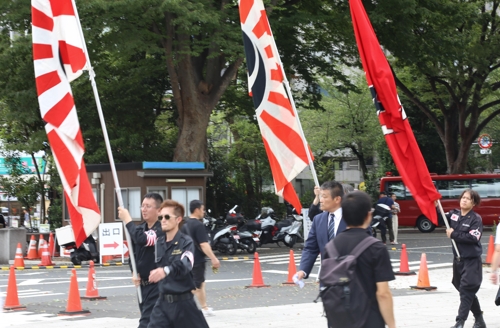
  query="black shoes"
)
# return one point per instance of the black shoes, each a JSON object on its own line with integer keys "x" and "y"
{"x": 459, "y": 324}
{"x": 479, "y": 322}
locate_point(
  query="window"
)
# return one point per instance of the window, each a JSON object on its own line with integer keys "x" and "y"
{"x": 162, "y": 191}
{"x": 131, "y": 201}
{"x": 487, "y": 188}
{"x": 397, "y": 188}
{"x": 185, "y": 196}
{"x": 452, "y": 189}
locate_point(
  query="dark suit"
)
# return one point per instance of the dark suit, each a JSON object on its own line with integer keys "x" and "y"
{"x": 316, "y": 241}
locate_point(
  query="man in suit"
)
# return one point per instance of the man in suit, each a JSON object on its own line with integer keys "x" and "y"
{"x": 324, "y": 227}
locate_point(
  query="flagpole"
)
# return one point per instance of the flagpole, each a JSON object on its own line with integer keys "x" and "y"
{"x": 290, "y": 96}
{"x": 445, "y": 219}
{"x": 108, "y": 149}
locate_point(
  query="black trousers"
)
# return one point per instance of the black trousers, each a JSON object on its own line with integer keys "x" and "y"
{"x": 150, "y": 294}
{"x": 181, "y": 314}
{"x": 467, "y": 278}
{"x": 388, "y": 223}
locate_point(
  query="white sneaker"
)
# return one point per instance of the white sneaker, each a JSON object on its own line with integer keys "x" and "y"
{"x": 208, "y": 312}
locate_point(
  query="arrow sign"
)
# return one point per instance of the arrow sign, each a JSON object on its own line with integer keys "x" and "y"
{"x": 114, "y": 245}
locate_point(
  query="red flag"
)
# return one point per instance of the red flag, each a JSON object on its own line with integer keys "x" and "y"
{"x": 59, "y": 57}
{"x": 279, "y": 126}
{"x": 395, "y": 126}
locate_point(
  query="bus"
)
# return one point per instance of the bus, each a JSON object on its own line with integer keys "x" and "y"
{"x": 450, "y": 187}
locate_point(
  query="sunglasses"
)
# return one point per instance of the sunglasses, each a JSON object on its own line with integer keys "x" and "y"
{"x": 166, "y": 217}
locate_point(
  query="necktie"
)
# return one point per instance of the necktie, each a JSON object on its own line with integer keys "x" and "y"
{"x": 331, "y": 227}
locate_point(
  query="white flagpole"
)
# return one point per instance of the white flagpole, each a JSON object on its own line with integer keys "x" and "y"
{"x": 108, "y": 149}
{"x": 447, "y": 226}
{"x": 290, "y": 96}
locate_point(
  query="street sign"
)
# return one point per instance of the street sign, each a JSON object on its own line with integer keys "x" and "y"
{"x": 111, "y": 238}
{"x": 484, "y": 141}
{"x": 485, "y": 151}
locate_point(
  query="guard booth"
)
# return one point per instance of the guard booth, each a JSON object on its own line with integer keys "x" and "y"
{"x": 180, "y": 181}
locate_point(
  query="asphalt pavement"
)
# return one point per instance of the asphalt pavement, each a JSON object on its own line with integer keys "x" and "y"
{"x": 44, "y": 292}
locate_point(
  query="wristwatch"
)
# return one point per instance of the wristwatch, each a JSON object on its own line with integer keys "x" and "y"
{"x": 167, "y": 270}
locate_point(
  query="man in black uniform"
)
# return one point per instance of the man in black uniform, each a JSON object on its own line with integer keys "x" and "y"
{"x": 466, "y": 228}
{"x": 194, "y": 228}
{"x": 175, "y": 308}
{"x": 144, "y": 237}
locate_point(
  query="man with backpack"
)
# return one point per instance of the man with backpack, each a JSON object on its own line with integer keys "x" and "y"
{"x": 355, "y": 272}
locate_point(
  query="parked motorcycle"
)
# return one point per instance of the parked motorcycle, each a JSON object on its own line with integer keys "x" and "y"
{"x": 245, "y": 237}
{"x": 86, "y": 252}
{"x": 221, "y": 236}
{"x": 273, "y": 231}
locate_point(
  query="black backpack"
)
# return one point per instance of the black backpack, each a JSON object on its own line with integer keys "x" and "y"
{"x": 344, "y": 298}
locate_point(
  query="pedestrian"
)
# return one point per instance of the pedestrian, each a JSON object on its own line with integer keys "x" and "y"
{"x": 3, "y": 224}
{"x": 26, "y": 218}
{"x": 495, "y": 261}
{"x": 395, "y": 210}
{"x": 175, "y": 308}
{"x": 466, "y": 229}
{"x": 386, "y": 200}
{"x": 373, "y": 266}
{"x": 324, "y": 227}
{"x": 143, "y": 238}
{"x": 194, "y": 228}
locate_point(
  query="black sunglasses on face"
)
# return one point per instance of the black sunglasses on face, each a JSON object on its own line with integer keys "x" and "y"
{"x": 166, "y": 217}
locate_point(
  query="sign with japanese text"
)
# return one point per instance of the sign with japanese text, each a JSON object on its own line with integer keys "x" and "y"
{"x": 111, "y": 238}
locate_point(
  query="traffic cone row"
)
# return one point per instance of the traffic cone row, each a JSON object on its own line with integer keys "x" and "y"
{"x": 404, "y": 268}
{"x": 257, "y": 281}
{"x": 32, "y": 251}
{"x": 46, "y": 258}
{"x": 18, "y": 259}
{"x": 92, "y": 293}
{"x": 423, "y": 276}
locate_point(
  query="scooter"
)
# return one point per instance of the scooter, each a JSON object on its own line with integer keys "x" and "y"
{"x": 220, "y": 236}
{"x": 272, "y": 231}
{"x": 86, "y": 252}
{"x": 247, "y": 240}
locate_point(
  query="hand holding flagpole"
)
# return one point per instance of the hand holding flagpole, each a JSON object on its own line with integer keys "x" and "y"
{"x": 108, "y": 149}
{"x": 445, "y": 219}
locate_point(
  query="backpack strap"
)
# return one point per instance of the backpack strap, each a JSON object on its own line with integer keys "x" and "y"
{"x": 363, "y": 245}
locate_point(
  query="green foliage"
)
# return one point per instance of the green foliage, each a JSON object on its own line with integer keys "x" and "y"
{"x": 26, "y": 189}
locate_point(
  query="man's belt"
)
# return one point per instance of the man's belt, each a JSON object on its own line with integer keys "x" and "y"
{"x": 171, "y": 298}
{"x": 146, "y": 282}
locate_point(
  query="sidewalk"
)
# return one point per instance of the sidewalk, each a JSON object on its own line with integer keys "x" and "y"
{"x": 413, "y": 309}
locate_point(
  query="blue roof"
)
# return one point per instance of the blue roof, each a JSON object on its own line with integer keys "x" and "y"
{"x": 173, "y": 165}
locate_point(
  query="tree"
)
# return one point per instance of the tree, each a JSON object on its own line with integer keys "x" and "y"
{"x": 203, "y": 50}
{"x": 348, "y": 121}
{"x": 447, "y": 56}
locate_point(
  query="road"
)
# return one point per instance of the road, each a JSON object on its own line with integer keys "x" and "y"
{"x": 45, "y": 291}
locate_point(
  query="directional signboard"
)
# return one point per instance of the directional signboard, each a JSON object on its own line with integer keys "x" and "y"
{"x": 111, "y": 239}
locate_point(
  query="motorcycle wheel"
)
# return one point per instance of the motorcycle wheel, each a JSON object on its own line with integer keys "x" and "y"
{"x": 252, "y": 246}
{"x": 233, "y": 249}
{"x": 292, "y": 242}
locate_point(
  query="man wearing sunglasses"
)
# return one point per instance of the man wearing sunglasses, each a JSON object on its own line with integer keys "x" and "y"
{"x": 174, "y": 257}
{"x": 144, "y": 237}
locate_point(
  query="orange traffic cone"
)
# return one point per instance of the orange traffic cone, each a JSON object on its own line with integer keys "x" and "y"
{"x": 423, "y": 276}
{"x": 74, "y": 305}
{"x": 18, "y": 260}
{"x": 46, "y": 259}
{"x": 32, "y": 252}
{"x": 404, "y": 269}
{"x": 257, "y": 281}
{"x": 491, "y": 250}
{"x": 52, "y": 245}
{"x": 292, "y": 269}
{"x": 106, "y": 259}
{"x": 41, "y": 242}
{"x": 92, "y": 293}
{"x": 12, "y": 299}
